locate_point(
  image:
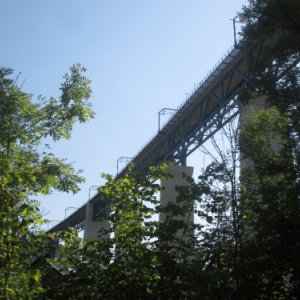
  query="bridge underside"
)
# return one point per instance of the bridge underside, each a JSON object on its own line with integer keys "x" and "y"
{"x": 211, "y": 105}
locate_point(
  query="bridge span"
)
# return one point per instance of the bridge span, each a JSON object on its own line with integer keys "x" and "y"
{"x": 211, "y": 105}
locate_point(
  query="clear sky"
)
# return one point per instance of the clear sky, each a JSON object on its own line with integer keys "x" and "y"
{"x": 141, "y": 56}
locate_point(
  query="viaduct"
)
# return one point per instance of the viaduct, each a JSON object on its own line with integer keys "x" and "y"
{"x": 211, "y": 105}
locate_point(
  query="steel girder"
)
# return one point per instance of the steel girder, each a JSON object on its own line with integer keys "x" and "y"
{"x": 209, "y": 108}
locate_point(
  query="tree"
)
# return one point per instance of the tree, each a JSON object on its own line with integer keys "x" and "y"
{"x": 142, "y": 259}
{"x": 272, "y": 205}
{"x": 277, "y": 74}
{"x": 27, "y": 171}
{"x": 271, "y": 212}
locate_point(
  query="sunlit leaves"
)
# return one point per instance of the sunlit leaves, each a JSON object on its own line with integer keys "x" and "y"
{"x": 26, "y": 171}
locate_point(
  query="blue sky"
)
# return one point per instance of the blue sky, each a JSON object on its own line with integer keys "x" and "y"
{"x": 141, "y": 56}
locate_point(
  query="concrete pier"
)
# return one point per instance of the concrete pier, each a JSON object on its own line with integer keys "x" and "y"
{"x": 169, "y": 193}
{"x": 92, "y": 227}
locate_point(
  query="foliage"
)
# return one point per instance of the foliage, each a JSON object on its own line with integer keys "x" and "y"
{"x": 135, "y": 262}
{"x": 271, "y": 198}
{"x": 271, "y": 208}
{"x": 263, "y": 17}
{"x": 277, "y": 73}
{"x": 26, "y": 171}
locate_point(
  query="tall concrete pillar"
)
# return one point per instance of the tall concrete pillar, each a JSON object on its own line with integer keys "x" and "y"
{"x": 169, "y": 193}
{"x": 54, "y": 249}
{"x": 252, "y": 108}
{"x": 92, "y": 227}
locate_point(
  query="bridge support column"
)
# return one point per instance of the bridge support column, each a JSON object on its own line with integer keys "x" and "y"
{"x": 92, "y": 227}
{"x": 252, "y": 108}
{"x": 169, "y": 193}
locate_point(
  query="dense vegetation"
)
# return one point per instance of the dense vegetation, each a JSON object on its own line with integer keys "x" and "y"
{"x": 245, "y": 243}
